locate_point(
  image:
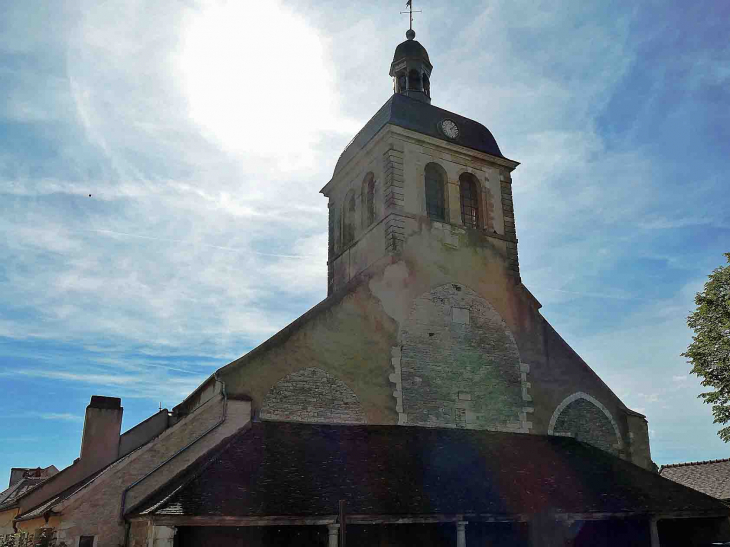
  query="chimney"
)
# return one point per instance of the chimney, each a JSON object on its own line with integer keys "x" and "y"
{"x": 100, "y": 439}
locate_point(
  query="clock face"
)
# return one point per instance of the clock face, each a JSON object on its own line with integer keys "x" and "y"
{"x": 450, "y": 129}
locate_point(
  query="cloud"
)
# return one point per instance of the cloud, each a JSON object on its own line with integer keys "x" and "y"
{"x": 66, "y": 417}
{"x": 639, "y": 358}
{"x": 204, "y": 154}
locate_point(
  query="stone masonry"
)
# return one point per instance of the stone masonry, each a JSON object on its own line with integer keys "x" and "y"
{"x": 312, "y": 395}
{"x": 459, "y": 364}
{"x": 513, "y": 264}
{"x": 393, "y": 198}
{"x": 586, "y": 422}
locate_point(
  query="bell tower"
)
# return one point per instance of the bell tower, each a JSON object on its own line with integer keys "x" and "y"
{"x": 422, "y": 183}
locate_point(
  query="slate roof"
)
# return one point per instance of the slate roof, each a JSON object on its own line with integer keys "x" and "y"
{"x": 284, "y": 469}
{"x": 410, "y": 48}
{"x": 424, "y": 118}
{"x": 711, "y": 477}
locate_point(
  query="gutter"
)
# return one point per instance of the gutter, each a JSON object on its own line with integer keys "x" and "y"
{"x": 222, "y": 419}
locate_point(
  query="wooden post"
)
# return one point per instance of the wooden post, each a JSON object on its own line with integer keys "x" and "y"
{"x": 343, "y": 520}
{"x": 654, "y": 531}
{"x": 333, "y": 531}
{"x": 461, "y": 533}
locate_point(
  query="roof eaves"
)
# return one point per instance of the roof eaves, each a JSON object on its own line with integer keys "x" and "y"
{"x": 687, "y": 464}
{"x": 74, "y": 489}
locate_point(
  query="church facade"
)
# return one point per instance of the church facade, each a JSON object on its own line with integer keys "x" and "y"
{"x": 424, "y": 401}
{"x": 427, "y": 322}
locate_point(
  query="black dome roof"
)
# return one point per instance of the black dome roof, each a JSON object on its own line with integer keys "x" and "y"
{"x": 423, "y": 118}
{"x": 410, "y": 48}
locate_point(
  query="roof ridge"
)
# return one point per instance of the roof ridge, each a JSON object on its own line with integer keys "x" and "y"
{"x": 700, "y": 462}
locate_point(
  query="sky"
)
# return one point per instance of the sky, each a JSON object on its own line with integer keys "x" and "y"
{"x": 160, "y": 168}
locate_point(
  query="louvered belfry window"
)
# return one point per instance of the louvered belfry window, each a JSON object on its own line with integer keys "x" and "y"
{"x": 435, "y": 206}
{"x": 469, "y": 200}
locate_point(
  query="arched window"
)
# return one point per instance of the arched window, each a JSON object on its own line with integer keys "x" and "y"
{"x": 414, "y": 80}
{"x": 348, "y": 220}
{"x": 435, "y": 182}
{"x": 468, "y": 185}
{"x": 426, "y": 85}
{"x": 368, "y": 199}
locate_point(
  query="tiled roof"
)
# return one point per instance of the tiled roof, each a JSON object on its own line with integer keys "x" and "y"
{"x": 711, "y": 477}
{"x": 9, "y": 496}
{"x": 302, "y": 469}
{"x": 51, "y": 502}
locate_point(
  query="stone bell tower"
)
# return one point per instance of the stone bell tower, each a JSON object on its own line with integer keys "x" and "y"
{"x": 417, "y": 175}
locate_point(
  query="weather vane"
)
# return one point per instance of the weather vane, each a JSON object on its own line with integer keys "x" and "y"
{"x": 410, "y": 12}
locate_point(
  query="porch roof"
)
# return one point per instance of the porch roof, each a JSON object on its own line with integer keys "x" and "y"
{"x": 304, "y": 470}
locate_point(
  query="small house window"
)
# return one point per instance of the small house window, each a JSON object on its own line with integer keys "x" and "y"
{"x": 435, "y": 202}
{"x": 86, "y": 541}
{"x": 469, "y": 200}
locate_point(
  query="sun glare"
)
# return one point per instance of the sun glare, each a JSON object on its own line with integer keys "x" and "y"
{"x": 257, "y": 78}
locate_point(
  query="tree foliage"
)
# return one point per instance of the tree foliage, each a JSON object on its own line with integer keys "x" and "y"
{"x": 709, "y": 352}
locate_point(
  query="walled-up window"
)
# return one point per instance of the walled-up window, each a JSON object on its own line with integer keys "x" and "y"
{"x": 435, "y": 188}
{"x": 348, "y": 220}
{"x": 469, "y": 200}
{"x": 414, "y": 80}
{"x": 368, "y": 198}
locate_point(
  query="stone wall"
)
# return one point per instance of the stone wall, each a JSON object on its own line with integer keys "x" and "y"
{"x": 459, "y": 364}
{"x": 582, "y": 419}
{"x": 312, "y": 395}
{"x": 368, "y": 335}
{"x": 640, "y": 452}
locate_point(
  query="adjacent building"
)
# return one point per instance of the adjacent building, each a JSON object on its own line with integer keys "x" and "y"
{"x": 711, "y": 477}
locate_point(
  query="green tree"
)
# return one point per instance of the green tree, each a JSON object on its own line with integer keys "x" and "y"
{"x": 709, "y": 352}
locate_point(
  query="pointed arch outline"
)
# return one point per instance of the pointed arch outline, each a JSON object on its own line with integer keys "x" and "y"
{"x": 581, "y": 395}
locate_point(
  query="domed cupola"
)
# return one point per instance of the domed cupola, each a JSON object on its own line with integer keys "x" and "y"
{"x": 411, "y": 69}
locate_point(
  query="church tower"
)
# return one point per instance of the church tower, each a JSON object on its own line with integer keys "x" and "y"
{"x": 427, "y": 322}
{"x": 421, "y": 218}
{"x": 417, "y": 176}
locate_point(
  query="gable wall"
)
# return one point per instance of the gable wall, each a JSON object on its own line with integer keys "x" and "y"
{"x": 357, "y": 335}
